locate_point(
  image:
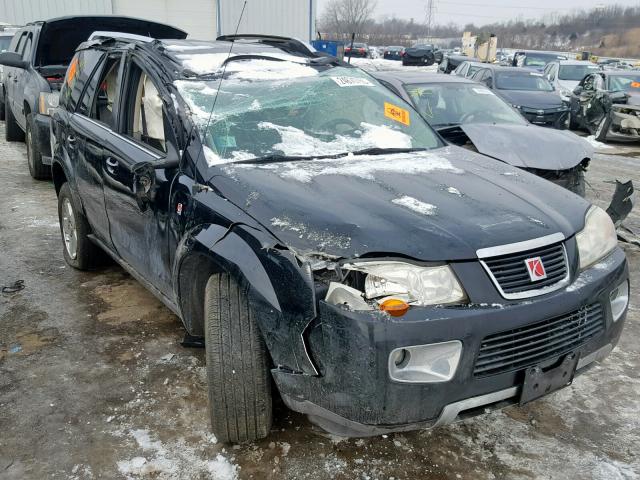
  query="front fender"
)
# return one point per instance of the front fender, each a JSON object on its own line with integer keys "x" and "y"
{"x": 280, "y": 290}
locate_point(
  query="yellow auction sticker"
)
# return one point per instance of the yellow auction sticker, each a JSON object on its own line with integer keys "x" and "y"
{"x": 396, "y": 113}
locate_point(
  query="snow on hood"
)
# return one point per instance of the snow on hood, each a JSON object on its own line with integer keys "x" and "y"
{"x": 296, "y": 142}
{"x": 362, "y": 166}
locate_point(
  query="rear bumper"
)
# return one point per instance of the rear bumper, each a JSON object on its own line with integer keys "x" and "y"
{"x": 355, "y": 396}
{"x": 41, "y": 136}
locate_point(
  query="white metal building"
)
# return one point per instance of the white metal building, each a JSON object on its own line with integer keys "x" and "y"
{"x": 203, "y": 19}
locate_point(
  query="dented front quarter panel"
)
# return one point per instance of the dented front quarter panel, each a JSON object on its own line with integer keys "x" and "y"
{"x": 280, "y": 288}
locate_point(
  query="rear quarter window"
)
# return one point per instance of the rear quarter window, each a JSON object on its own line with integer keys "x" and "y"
{"x": 78, "y": 74}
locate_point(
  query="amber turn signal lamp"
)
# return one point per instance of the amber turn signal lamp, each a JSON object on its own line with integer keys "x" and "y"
{"x": 394, "y": 307}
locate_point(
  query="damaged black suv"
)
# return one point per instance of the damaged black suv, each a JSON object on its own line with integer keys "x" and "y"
{"x": 319, "y": 234}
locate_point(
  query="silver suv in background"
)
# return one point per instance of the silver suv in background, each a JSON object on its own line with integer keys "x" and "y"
{"x": 565, "y": 75}
{"x": 6, "y": 35}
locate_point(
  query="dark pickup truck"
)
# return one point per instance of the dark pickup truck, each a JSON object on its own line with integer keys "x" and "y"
{"x": 34, "y": 69}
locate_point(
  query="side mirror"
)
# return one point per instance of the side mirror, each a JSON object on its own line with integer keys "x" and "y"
{"x": 489, "y": 82}
{"x": 12, "y": 59}
{"x": 578, "y": 90}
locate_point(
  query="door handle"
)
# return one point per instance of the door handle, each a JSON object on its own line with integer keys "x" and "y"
{"x": 112, "y": 165}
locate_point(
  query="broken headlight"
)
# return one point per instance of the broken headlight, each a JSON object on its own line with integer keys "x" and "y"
{"x": 415, "y": 284}
{"x": 597, "y": 238}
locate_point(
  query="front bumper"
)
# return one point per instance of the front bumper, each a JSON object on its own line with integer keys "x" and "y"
{"x": 354, "y": 395}
{"x": 625, "y": 123}
{"x": 41, "y": 136}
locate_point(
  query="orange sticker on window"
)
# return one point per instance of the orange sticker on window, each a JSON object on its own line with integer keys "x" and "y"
{"x": 635, "y": 84}
{"x": 73, "y": 69}
{"x": 396, "y": 113}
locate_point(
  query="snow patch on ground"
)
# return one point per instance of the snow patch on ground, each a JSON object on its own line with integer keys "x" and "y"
{"x": 415, "y": 205}
{"x": 362, "y": 166}
{"x": 454, "y": 191}
{"x": 382, "y": 65}
{"x": 596, "y": 144}
{"x": 173, "y": 460}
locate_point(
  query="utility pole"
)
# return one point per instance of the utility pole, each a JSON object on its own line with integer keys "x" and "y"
{"x": 429, "y": 19}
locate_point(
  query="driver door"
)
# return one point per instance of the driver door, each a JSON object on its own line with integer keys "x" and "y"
{"x": 136, "y": 193}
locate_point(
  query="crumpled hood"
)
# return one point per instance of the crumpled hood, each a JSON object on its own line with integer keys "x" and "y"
{"x": 531, "y": 99}
{"x": 634, "y": 98}
{"x": 438, "y": 205}
{"x": 529, "y": 146}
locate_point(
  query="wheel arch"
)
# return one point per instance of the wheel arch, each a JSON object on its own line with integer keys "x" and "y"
{"x": 210, "y": 249}
{"x": 58, "y": 175}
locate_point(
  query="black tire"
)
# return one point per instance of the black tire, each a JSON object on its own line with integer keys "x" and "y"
{"x": 86, "y": 252}
{"x": 573, "y": 124}
{"x": 37, "y": 169}
{"x": 579, "y": 187}
{"x": 239, "y": 380}
{"x": 2, "y": 108}
{"x": 603, "y": 129}
{"x": 12, "y": 132}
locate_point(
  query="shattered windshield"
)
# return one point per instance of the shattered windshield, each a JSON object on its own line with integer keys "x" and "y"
{"x": 626, "y": 83}
{"x": 272, "y": 108}
{"x": 450, "y": 104}
{"x": 575, "y": 72}
{"x": 522, "y": 81}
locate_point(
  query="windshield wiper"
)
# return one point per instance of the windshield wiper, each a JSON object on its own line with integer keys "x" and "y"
{"x": 439, "y": 126}
{"x": 285, "y": 158}
{"x": 384, "y": 151}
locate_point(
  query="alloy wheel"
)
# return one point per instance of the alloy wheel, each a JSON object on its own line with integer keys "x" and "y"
{"x": 69, "y": 232}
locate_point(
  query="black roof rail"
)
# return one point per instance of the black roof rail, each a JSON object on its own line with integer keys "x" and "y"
{"x": 291, "y": 45}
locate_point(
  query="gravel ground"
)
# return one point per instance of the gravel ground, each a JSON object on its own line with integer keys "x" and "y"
{"x": 94, "y": 383}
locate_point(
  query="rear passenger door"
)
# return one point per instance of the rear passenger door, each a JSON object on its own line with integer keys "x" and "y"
{"x": 136, "y": 188}
{"x": 20, "y": 79}
{"x": 86, "y": 133}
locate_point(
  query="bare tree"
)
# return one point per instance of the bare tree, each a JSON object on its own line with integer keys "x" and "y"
{"x": 343, "y": 17}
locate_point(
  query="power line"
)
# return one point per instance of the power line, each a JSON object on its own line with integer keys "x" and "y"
{"x": 518, "y": 7}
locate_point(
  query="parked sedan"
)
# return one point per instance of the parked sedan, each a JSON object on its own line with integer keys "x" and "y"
{"x": 527, "y": 91}
{"x": 607, "y": 104}
{"x": 471, "y": 116}
{"x": 420, "y": 54}
{"x": 357, "y": 50}
{"x": 393, "y": 53}
{"x": 468, "y": 68}
{"x": 322, "y": 238}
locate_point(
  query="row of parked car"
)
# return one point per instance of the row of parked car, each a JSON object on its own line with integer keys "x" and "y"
{"x": 417, "y": 55}
{"x": 320, "y": 228}
{"x": 567, "y": 94}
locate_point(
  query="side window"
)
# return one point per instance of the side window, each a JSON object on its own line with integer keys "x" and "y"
{"x": 144, "y": 109}
{"x": 19, "y": 42}
{"x": 102, "y": 101}
{"x": 78, "y": 75}
{"x": 28, "y": 47}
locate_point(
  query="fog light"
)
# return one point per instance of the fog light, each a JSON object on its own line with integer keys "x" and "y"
{"x": 619, "y": 299}
{"x": 432, "y": 363}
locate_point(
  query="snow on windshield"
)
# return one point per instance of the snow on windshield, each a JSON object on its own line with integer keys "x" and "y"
{"x": 295, "y": 142}
{"x": 210, "y": 63}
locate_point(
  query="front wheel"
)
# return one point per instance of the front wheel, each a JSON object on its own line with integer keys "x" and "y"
{"x": 238, "y": 375}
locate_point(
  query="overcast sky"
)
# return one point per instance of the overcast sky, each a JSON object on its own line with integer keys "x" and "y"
{"x": 480, "y": 11}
